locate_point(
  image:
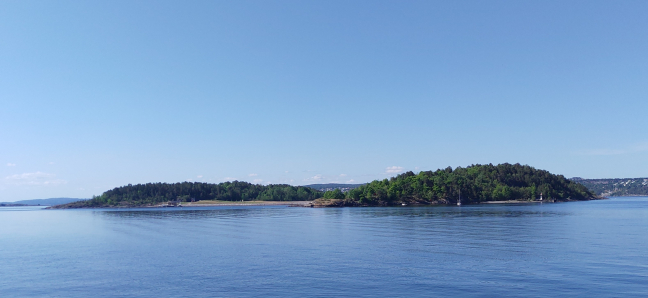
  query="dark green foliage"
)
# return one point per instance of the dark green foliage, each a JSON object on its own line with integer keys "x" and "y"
{"x": 155, "y": 193}
{"x": 334, "y": 194}
{"x": 477, "y": 183}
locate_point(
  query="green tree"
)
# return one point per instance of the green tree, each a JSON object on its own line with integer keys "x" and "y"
{"x": 334, "y": 194}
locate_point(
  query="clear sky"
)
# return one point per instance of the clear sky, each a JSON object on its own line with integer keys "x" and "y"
{"x": 99, "y": 94}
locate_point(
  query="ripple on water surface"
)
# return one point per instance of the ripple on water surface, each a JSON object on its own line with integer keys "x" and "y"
{"x": 571, "y": 249}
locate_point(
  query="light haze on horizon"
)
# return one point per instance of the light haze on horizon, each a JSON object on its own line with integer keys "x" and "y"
{"x": 99, "y": 94}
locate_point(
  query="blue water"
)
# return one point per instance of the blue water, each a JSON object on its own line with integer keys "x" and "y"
{"x": 596, "y": 248}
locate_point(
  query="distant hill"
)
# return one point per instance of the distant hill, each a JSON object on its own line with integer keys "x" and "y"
{"x": 616, "y": 187}
{"x": 334, "y": 186}
{"x": 44, "y": 202}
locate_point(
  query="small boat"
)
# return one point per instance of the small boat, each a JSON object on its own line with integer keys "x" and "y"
{"x": 403, "y": 204}
{"x": 459, "y": 200}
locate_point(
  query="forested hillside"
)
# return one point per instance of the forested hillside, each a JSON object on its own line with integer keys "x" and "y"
{"x": 477, "y": 183}
{"x": 154, "y": 193}
{"x": 616, "y": 187}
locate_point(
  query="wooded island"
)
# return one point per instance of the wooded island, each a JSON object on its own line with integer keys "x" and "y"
{"x": 476, "y": 184}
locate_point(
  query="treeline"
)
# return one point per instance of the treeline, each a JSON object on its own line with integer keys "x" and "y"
{"x": 155, "y": 193}
{"x": 616, "y": 187}
{"x": 476, "y": 183}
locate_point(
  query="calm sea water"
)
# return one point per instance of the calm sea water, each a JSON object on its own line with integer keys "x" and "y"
{"x": 596, "y": 248}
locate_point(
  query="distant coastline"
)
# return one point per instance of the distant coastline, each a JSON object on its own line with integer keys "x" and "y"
{"x": 41, "y": 202}
{"x": 616, "y": 187}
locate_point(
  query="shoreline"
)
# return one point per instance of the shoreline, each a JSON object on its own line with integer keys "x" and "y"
{"x": 316, "y": 204}
{"x": 514, "y": 202}
{"x": 204, "y": 204}
{"x": 244, "y": 203}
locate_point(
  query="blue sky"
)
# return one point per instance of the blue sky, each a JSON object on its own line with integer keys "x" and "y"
{"x": 99, "y": 94}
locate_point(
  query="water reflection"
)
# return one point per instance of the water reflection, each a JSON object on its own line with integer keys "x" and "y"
{"x": 282, "y": 211}
{"x": 21, "y": 208}
{"x": 191, "y": 213}
{"x": 466, "y": 211}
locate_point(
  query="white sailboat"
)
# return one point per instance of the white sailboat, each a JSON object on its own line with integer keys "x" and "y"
{"x": 459, "y": 200}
